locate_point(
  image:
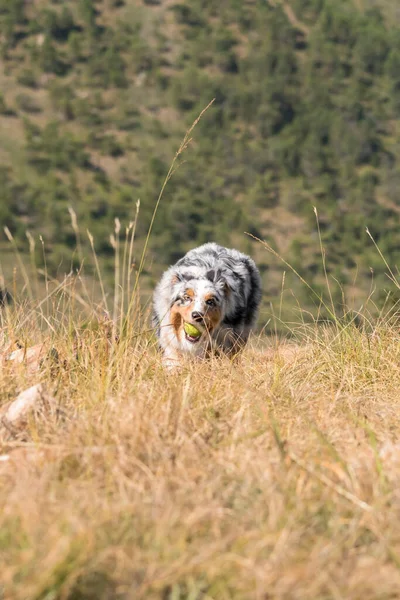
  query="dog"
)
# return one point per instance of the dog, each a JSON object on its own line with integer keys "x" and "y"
{"x": 215, "y": 289}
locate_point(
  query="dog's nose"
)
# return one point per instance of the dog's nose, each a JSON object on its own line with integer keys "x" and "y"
{"x": 196, "y": 316}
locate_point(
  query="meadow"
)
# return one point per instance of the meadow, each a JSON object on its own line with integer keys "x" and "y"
{"x": 273, "y": 476}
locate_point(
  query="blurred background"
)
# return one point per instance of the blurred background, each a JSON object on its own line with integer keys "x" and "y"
{"x": 96, "y": 97}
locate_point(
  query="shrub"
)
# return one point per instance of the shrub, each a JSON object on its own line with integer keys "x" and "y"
{"x": 28, "y": 78}
{"x": 28, "y": 104}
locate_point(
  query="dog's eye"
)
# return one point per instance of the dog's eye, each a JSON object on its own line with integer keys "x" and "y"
{"x": 211, "y": 302}
{"x": 186, "y": 298}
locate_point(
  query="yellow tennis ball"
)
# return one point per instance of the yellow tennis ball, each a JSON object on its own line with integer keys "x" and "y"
{"x": 191, "y": 330}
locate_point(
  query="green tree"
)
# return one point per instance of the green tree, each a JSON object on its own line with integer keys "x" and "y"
{"x": 87, "y": 11}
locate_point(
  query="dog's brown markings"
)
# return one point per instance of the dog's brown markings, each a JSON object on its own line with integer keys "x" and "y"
{"x": 213, "y": 314}
{"x": 176, "y": 319}
{"x": 212, "y": 318}
{"x": 178, "y": 315}
{"x": 181, "y": 314}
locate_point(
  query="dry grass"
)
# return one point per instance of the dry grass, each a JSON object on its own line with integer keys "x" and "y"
{"x": 275, "y": 477}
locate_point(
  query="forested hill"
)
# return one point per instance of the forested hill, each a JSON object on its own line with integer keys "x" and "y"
{"x": 96, "y": 96}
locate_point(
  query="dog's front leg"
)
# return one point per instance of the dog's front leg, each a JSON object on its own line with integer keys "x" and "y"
{"x": 171, "y": 359}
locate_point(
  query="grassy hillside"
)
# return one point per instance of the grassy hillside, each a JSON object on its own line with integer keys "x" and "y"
{"x": 272, "y": 477}
{"x": 96, "y": 96}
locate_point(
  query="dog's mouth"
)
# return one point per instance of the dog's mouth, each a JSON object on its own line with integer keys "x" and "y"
{"x": 192, "y": 339}
{"x": 192, "y": 333}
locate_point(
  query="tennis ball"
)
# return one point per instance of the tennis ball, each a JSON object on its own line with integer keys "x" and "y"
{"x": 191, "y": 330}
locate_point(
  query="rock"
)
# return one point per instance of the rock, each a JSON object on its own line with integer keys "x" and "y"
{"x": 33, "y": 400}
{"x": 33, "y": 357}
{"x": 30, "y": 356}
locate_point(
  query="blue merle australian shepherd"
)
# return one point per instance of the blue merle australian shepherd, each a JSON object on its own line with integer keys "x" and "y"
{"x": 213, "y": 288}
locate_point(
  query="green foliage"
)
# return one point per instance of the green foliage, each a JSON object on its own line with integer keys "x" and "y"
{"x": 56, "y": 24}
{"x": 87, "y": 11}
{"x": 49, "y": 58}
{"x": 49, "y": 149}
{"x": 4, "y": 107}
{"x": 27, "y": 104}
{"x": 306, "y": 114}
{"x": 108, "y": 68}
{"x": 28, "y": 78}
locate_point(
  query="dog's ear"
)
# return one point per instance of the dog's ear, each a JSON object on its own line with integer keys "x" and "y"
{"x": 227, "y": 288}
{"x": 214, "y": 275}
{"x": 221, "y": 281}
{"x": 211, "y": 275}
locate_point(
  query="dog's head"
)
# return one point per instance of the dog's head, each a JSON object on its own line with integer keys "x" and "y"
{"x": 198, "y": 301}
